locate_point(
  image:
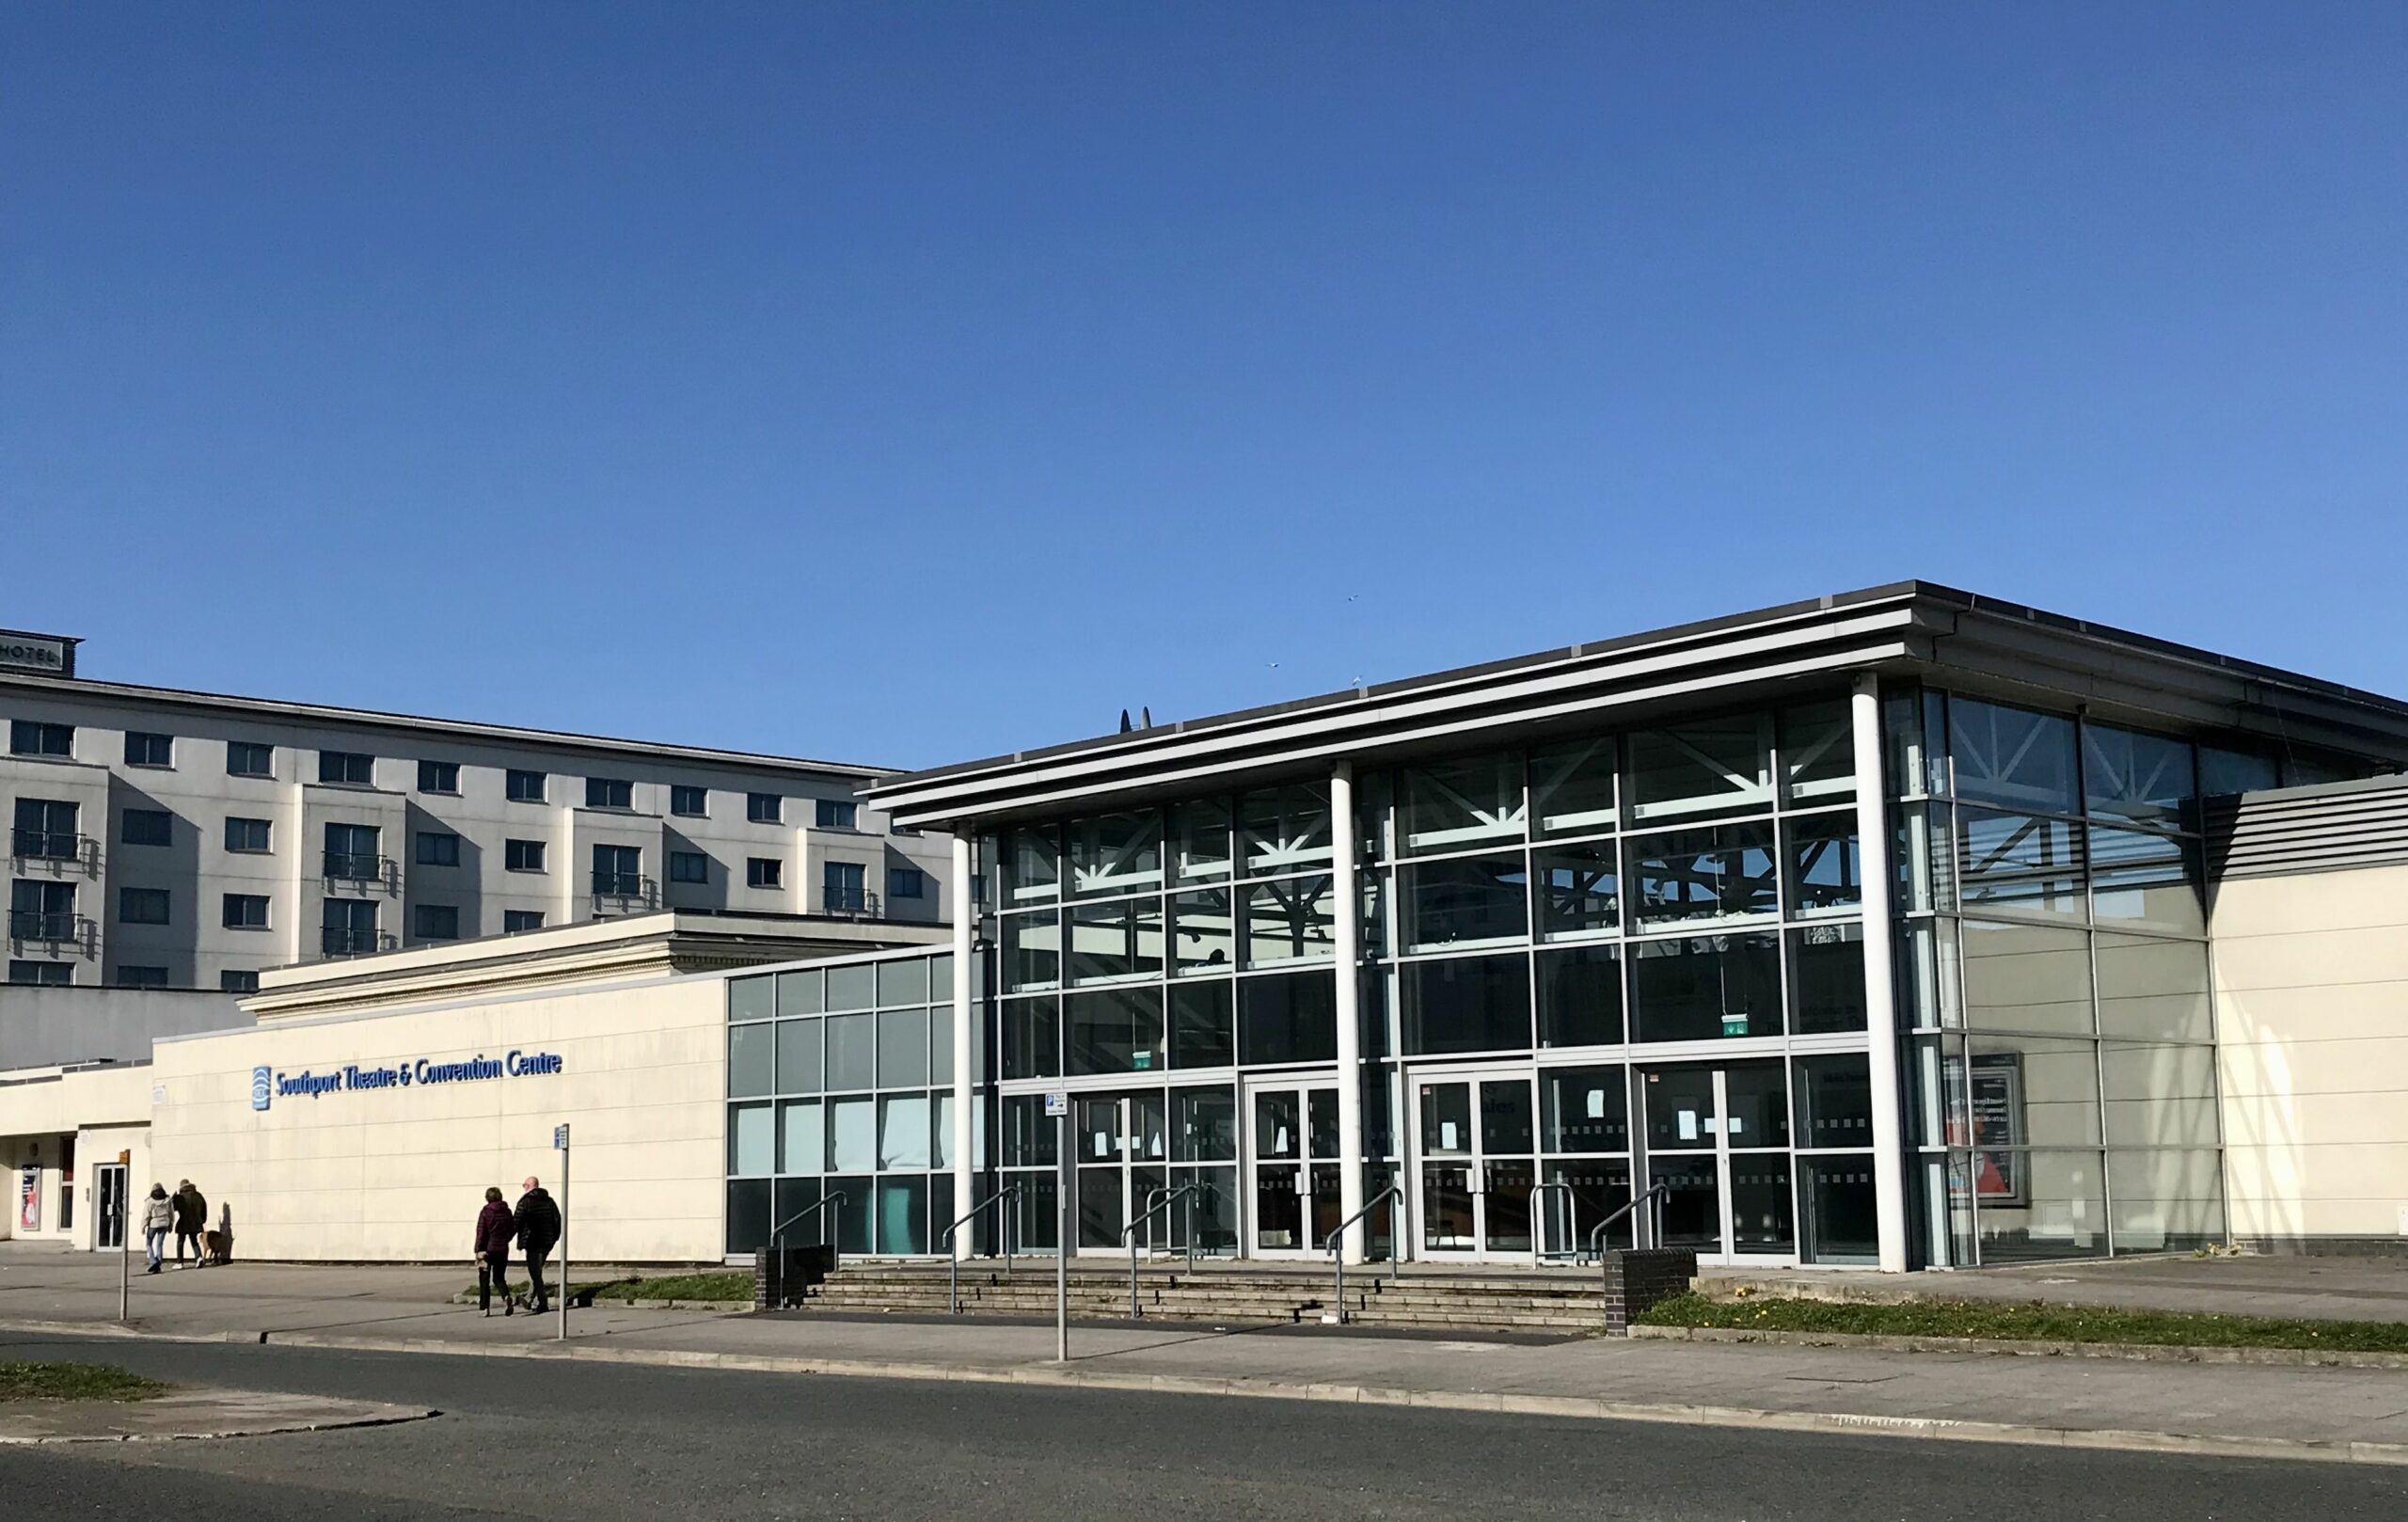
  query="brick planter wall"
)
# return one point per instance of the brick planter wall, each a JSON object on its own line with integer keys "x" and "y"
{"x": 1637, "y": 1280}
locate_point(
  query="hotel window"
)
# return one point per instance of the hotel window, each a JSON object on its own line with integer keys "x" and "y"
{"x": 764, "y": 872}
{"x": 45, "y": 829}
{"x": 618, "y": 871}
{"x": 609, "y": 793}
{"x": 523, "y": 786}
{"x": 438, "y": 777}
{"x": 522, "y": 855}
{"x": 245, "y": 758}
{"x": 689, "y": 866}
{"x": 246, "y": 912}
{"x": 148, "y": 749}
{"x": 689, "y": 802}
{"x": 438, "y": 847}
{"x": 248, "y": 836}
{"x": 238, "y": 980}
{"x": 436, "y": 922}
{"x": 906, "y": 882}
{"x": 843, "y": 889}
{"x": 838, "y": 814}
{"x": 515, "y": 920}
{"x": 51, "y": 973}
{"x": 142, "y": 977}
{"x": 765, "y": 808}
{"x": 346, "y": 769}
{"x": 142, "y": 906}
{"x": 147, "y": 826}
{"x": 26, "y": 738}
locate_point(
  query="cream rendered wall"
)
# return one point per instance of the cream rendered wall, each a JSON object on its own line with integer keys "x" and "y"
{"x": 2311, "y": 974}
{"x": 399, "y": 1174}
{"x": 106, "y": 1110}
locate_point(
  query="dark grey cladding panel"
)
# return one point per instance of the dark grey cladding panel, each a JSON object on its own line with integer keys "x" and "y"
{"x": 2321, "y": 828}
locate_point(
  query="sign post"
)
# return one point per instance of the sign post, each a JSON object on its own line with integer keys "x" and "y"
{"x": 1059, "y": 1106}
{"x": 559, "y": 1144}
{"x": 124, "y": 1210}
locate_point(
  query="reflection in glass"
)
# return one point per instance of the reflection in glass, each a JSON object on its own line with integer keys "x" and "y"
{"x": 1818, "y": 753}
{"x": 2137, "y": 775}
{"x": 1032, "y": 950}
{"x": 1834, "y": 1101}
{"x": 2151, "y": 988}
{"x": 852, "y": 1050}
{"x": 2013, "y": 757}
{"x": 1203, "y": 933}
{"x": 1841, "y": 1226}
{"x": 1292, "y": 919}
{"x": 2028, "y": 977}
{"x": 1574, "y": 787}
{"x": 1720, "y": 872}
{"x": 1204, "y": 1127}
{"x": 2018, "y": 862}
{"x": 1119, "y": 1030}
{"x": 1453, "y": 806}
{"x": 1824, "y": 872}
{"x": 2159, "y": 1096}
{"x": 2035, "y": 1206}
{"x": 1031, "y": 1038}
{"x": 1719, "y": 766}
{"x": 1289, "y": 1018}
{"x": 1468, "y": 901}
{"x": 2223, "y": 771}
{"x": 1285, "y": 829}
{"x": 1580, "y": 891}
{"x": 1115, "y": 853}
{"x": 1584, "y": 1110}
{"x": 1200, "y": 835}
{"x": 903, "y": 1132}
{"x": 1116, "y": 942}
{"x": 752, "y": 1065}
{"x": 1827, "y": 964}
{"x": 902, "y": 1048}
{"x": 2166, "y": 1201}
{"x": 2146, "y": 880}
{"x": 1032, "y": 868}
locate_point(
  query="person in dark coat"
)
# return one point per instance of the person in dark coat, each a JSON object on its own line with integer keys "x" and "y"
{"x": 538, "y": 1222}
{"x": 495, "y": 1228}
{"x": 192, "y": 1219}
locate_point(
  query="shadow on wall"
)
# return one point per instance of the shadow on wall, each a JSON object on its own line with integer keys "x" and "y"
{"x": 437, "y": 883}
{"x": 140, "y": 860}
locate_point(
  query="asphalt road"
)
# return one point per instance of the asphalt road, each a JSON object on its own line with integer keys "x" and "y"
{"x": 597, "y": 1443}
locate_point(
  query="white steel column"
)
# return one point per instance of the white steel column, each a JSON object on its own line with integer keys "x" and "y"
{"x": 1349, "y": 1020}
{"x": 1880, "y": 978}
{"x": 965, "y": 935}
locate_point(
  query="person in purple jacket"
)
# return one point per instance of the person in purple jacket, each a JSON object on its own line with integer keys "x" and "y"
{"x": 494, "y": 1232}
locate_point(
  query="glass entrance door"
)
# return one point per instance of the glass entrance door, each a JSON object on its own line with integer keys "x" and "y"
{"x": 1476, "y": 1148}
{"x": 1718, "y": 1136}
{"x": 1292, "y": 1143}
{"x": 108, "y": 1198}
{"x": 1122, "y": 1149}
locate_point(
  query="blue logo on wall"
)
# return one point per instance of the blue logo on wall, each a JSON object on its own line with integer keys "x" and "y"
{"x": 263, "y": 1087}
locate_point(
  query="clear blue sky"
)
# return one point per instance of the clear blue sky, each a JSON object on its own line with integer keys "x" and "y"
{"x": 912, "y": 382}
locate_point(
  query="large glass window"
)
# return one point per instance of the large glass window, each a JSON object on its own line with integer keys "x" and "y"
{"x": 1290, "y": 919}
{"x": 1286, "y": 829}
{"x": 1200, "y": 838}
{"x": 1467, "y": 1004}
{"x": 1722, "y": 872}
{"x": 2022, "y": 862}
{"x": 2012, "y": 758}
{"x": 2143, "y": 880}
{"x": 1119, "y": 1030}
{"x": 1712, "y": 766}
{"x": 1820, "y": 851}
{"x": 1115, "y": 853}
{"x": 1706, "y": 988}
{"x": 1464, "y": 902}
{"x": 1455, "y": 805}
{"x": 1574, "y": 788}
{"x": 1203, "y": 932}
{"x": 1584, "y": 1110}
{"x": 1116, "y": 942}
{"x": 1826, "y": 972}
{"x": 2151, "y": 988}
{"x": 1291, "y": 1017}
{"x": 2026, "y": 977}
{"x": 1202, "y": 1032}
{"x": 1580, "y": 891}
{"x": 2137, "y": 775}
{"x": 1032, "y": 950}
{"x": 1818, "y": 753}
{"x": 1580, "y": 996}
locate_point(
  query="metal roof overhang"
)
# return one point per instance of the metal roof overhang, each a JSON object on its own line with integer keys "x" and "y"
{"x": 1912, "y": 628}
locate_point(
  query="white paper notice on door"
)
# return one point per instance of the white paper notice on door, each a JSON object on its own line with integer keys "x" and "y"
{"x": 1447, "y": 1142}
{"x": 1688, "y": 1123}
{"x": 1279, "y": 1142}
{"x": 1103, "y": 1144}
{"x": 1596, "y": 1105}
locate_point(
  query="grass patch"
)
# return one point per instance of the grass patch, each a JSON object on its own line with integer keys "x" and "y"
{"x": 727, "y": 1284}
{"x": 2029, "y": 1322}
{"x": 74, "y": 1382}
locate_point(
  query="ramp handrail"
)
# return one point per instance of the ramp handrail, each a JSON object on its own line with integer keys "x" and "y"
{"x": 1334, "y": 1243}
{"x": 1538, "y": 1219}
{"x": 1655, "y": 1219}
{"x": 778, "y": 1237}
{"x": 953, "y": 1261}
{"x": 1153, "y": 1206}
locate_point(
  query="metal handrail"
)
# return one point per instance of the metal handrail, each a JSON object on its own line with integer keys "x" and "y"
{"x": 1655, "y": 1219}
{"x": 778, "y": 1235}
{"x": 30, "y": 844}
{"x": 358, "y": 866}
{"x": 1335, "y": 1241}
{"x": 1161, "y": 1191}
{"x": 953, "y": 1262}
{"x": 1538, "y": 1221}
{"x": 1129, "y": 1234}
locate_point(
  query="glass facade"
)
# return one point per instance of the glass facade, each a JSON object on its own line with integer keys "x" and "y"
{"x": 840, "y": 1083}
{"x": 2054, "y": 981}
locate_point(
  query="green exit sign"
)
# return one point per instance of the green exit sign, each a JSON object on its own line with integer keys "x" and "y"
{"x": 1735, "y": 1024}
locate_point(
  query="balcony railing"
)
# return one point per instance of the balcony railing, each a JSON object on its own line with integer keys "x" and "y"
{"x": 58, "y": 847}
{"x": 334, "y": 942}
{"x": 623, "y": 892}
{"x": 361, "y": 866}
{"x": 52, "y": 930}
{"x": 851, "y": 903}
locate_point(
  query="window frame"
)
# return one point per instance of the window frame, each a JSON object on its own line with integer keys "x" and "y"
{"x": 765, "y": 872}
{"x": 440, "y": 771}
{"x": 268, "y": 769}
{"x": 127, "y": 896}
{"x": 341, "y": 761}
{"x": 125, "y": 835}
{"x": 517, "y": 780}
{"x": 515, "y": 851}
{"x": 227, "y": 920}
{"x": 146, "y": 742}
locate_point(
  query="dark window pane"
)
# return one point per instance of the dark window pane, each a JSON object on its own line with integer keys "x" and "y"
{"x": 1119, "y": 1030}
{"x": 1580, "y": 996}
{"x": 1834, "y": 1101}
{"x": 1716, "y": 766}
{"x": 1203, "y": 933}
{"x": 1584, "y": 1110}
{"x": 1837, "y": 1194}
{"x": 1472, "y": 1004}
{"x": 1032, "y": 1038}
{"x": 1580, "y": 891}
{"x": 748, "y": 1215}
{"x": 1825, "y": 871}
{"x": 1201, "y": 1033}
{"x": 1704, "y": 987}
{"x": 1285, "y": 829}
{"x": 1032, "y": 950}
{"x": 1293, "y": 919}
{"x": 1818, "y": 753}
{"x": 2135, "y": 775}
{"x": 2013, "y": 757}
{"x": 1466, "y": 902}
{"x": 1828, "y": 962}
{"x": 1289, "y": 1018}
{"x": 1722, "y": 872}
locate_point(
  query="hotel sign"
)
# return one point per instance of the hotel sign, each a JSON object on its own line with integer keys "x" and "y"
{"x": 268, "y": 1085}
{"x": 37, "y": 653}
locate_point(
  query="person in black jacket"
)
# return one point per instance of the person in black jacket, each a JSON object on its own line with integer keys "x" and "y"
{"x": 538, "y": 1220}
{"x": 192, "y": 1219}
{"x": 494, "y": 1228}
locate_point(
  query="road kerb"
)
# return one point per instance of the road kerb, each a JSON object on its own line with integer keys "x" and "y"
{"x": 2030, "y": 1347}
{"x": 1555, "y": 1406}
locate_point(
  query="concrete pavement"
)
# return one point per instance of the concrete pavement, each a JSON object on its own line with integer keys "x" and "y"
{"x": 2358, "y": 1415}
{"x": 2319, "y": 1288}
